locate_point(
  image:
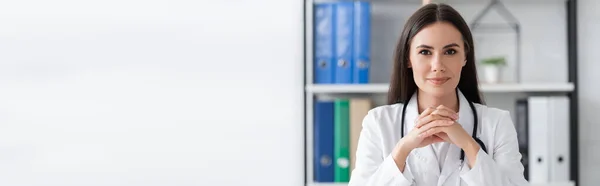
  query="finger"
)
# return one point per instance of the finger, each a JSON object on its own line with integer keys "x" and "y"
{"x": 443, "y": 107}
{"x": 446, "y": 113}
{"x": 429, "y": 119}
{"x": 437, "y": 139}
{"x": 442, "y": 135}
{"x": 431, "y": 132}
{"x": 434, "y": 124}
{"x": 431, "y": 140}
{"x": 425, "y": 113}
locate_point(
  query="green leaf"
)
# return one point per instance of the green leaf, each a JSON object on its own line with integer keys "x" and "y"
{"x": 499, "y": 61}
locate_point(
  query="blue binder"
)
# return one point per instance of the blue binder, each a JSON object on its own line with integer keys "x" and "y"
{"x": 323, "y": 141}
{"x": 344, "y": 29}
{"x": 361, "y": 53}
{"x": 324, "y": 58}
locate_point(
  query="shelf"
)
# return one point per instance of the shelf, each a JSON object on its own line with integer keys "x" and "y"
{"x": 327, "y": 184}
{"x": 528, "y": 87}
{"x": 533, "y": 184}
{"x": 383, "y": 88}
{"x": 457, "y": 1}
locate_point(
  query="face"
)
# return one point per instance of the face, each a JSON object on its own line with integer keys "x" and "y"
{"x": 436, "y": 57}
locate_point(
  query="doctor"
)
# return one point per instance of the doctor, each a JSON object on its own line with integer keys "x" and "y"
{"x": 435, "y": 130}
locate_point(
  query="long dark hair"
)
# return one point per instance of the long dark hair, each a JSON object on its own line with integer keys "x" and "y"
{"x": 402, "y": 84}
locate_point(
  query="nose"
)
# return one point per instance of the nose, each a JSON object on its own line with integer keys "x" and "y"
{"x": 437, "y": 65}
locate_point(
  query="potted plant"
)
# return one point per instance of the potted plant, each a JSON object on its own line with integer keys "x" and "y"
{"x": 492, "y": 68}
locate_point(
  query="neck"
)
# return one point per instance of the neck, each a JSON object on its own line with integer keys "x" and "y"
{"x": 427, "y": 100}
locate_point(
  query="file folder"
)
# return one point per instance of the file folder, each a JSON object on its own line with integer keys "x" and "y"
{"x": 521, "y": 122}
{"x": 549, "y": 139}
{"x": 341, "y": 140}
{"x": 359, "y": 107}
{"x": 344, "y": 28}
{"x": 362, "y": 33}
{"x": 538, "y": 139}
{"x": 324, "y": 58}
{"x": 559, "y": 140}
{"x": 323, "y": 141}
{"x": 521, "y": 117}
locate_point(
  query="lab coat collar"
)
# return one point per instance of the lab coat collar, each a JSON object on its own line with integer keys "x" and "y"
{"x": 452, "y": 162}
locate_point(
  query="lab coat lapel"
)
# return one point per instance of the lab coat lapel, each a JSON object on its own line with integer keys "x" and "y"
{"x": 425, "y": 155}
{"x": 465, "y": 119}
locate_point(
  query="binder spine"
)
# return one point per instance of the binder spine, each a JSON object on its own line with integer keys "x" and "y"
{"x": 362, "y": 32}
{"x": 538, "y": 138}
{"x": 522, "y": 127}
{"x": 324, "y": 58}
{"x": 559, "y": 139}
{"x": 344, "y": 20}
{"x": 342, "y": 140}
{"x": 323, "y": 141}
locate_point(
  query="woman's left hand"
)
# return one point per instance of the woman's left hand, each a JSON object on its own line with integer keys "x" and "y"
{"x": 457, "y": 135}
{"x": 453, "y": 133}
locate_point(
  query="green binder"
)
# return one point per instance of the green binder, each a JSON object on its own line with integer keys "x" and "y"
{"x": 341, "y": 140}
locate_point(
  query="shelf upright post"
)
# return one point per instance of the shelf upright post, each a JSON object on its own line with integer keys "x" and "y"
{"x": 571, "y": 6}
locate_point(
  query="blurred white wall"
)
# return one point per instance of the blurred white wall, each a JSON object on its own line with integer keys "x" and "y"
{"x": 589, "y": 90}
{"x": 151, "y": 93}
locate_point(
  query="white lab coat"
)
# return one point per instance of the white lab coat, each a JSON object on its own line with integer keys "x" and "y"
{"x": 374, "y": 165}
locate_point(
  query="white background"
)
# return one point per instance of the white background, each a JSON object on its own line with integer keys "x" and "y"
{"x": 151, "y": 93}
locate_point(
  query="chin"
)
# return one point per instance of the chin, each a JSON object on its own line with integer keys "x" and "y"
{"x": 439, "y": 91}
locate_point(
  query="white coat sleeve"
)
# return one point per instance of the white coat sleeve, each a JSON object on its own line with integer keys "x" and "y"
{"x": 372, "y": 167}
{"x": 504, "y": 168}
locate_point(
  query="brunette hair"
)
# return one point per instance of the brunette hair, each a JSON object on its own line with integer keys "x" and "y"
{"x": 402, "y": 84}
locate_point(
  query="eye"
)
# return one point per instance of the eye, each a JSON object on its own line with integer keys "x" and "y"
{"x": 450, "y": 52}
{"x": 425, "y": 52}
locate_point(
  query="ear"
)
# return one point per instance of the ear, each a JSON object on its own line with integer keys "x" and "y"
{"x": 464, "y": 63}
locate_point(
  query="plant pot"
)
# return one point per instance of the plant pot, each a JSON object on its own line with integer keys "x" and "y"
{"x": 492, "y": 73}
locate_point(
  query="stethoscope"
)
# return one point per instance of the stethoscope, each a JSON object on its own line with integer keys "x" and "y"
{"x": 474, "y": 134}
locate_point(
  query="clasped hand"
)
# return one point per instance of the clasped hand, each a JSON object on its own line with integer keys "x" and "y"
{"x": 436, "y": 125}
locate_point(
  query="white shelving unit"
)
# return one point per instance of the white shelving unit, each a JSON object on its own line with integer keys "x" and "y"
{"x": 487, "y": 88}
{"x": 533, "y": 184}
{"x": 312, "y": 91}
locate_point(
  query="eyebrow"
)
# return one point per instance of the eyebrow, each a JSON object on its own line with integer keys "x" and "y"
{"x": 430, "y": 47}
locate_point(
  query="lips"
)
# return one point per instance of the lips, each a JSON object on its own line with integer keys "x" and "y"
{"x": 438, "y": 81}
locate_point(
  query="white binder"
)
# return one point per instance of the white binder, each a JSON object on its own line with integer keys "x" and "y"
{"x": 549, "y": 139}
{"x": 559, "y": 140}
{"x": 538, "y": 140}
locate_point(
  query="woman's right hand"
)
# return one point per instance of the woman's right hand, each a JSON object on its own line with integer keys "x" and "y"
{"x": 415, "y": 139}
{"x": 426, "y": 121}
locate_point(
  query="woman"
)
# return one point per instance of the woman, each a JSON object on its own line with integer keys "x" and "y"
{"x": 425, "y": 135}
